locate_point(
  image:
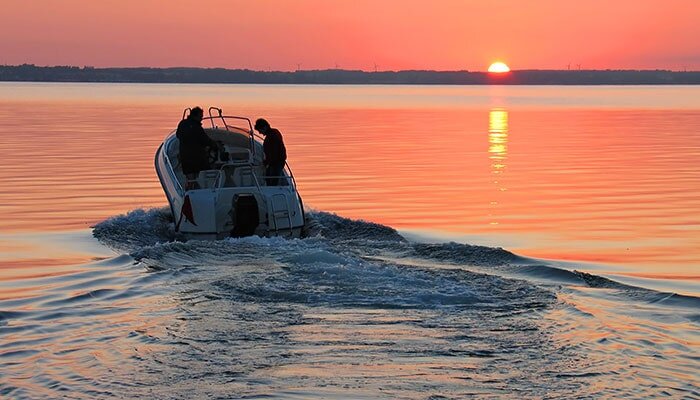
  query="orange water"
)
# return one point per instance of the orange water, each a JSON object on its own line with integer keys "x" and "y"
{"x": 607, "y": 175}
{"x": 605, "y": 178}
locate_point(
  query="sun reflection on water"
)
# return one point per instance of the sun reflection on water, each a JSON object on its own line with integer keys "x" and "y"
{"x": 498, "y": 151}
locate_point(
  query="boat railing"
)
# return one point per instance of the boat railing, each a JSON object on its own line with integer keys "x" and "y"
{"x": 291, "y": 175}
{"x": 289, "y": 181}
{"x": 220, "y": 178}
{"x": 289, "y": 178}
{"x": 216, "y": 114}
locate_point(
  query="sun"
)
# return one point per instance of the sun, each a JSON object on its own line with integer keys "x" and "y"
{"x": 498, "y": 67}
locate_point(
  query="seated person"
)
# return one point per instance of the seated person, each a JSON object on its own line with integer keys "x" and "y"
{"x": 194, "y": 144}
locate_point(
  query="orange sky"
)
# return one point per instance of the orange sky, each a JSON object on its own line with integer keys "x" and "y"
{"x": 353, "y": 34}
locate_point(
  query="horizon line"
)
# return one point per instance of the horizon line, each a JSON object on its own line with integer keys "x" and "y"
{"x": 355, "y": 70}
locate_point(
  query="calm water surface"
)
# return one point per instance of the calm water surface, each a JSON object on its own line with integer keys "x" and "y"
{"x": 596, "y": 179}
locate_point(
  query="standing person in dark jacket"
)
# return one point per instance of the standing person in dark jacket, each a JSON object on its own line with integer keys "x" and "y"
{"x": 194, "y": 155}
{"x": 275, "y": 152}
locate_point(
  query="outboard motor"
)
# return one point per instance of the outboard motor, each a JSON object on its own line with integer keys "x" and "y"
{"x": 246, "y": 218}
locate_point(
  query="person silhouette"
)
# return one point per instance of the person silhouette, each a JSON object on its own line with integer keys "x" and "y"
{"x": 194, "y": 144}
{"x": 275, "y": 152}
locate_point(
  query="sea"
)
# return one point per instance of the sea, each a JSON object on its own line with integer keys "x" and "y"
{"x": 486, "y": 242}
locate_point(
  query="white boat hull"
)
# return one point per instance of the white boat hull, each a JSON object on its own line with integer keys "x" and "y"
{"x": 231, "y": 200}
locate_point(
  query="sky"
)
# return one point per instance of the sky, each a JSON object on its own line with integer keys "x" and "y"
{"x": 369, "y": 35}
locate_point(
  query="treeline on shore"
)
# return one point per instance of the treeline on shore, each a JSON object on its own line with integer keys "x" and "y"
{"x": 33, "y": 73}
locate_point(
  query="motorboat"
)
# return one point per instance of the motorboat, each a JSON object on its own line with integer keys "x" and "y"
{"x": 233, "y": 197}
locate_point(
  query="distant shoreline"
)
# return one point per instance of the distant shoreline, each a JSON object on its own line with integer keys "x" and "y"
{"x": 33, "y": 73}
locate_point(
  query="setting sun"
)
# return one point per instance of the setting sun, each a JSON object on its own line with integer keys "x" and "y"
{"x": 499, "y": 67}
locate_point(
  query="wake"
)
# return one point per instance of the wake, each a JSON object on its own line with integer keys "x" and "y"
{"x": 359, "y": 254}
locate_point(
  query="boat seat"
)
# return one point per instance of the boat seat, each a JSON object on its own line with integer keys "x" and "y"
{"x": 239, "y": 155}
{"x": 208, "y": 178}
{"x": 243, "y": 176}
